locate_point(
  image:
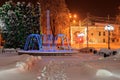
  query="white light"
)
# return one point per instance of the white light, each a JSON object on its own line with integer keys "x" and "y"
{"x": 109, "y": 28}
{"x": 81, "y": 34}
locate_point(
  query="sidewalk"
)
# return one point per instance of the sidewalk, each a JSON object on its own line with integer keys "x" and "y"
{"x": 96, "y": 46}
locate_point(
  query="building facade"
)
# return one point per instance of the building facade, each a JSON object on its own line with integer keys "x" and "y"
{"x": 97, "y": 35}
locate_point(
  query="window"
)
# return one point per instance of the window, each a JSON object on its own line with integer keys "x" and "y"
{"x": 99, "y": 33}
{"x": 113, "y": 40}
{"x": 92, "y": 34}
{"x": 103, "y": 33}
{"x": 103, "y": 40}
{"x": 113, "y": 34}
{"x": 117, "y": 40}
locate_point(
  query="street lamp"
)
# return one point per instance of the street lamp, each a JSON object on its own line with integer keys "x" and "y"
{"x": 75, "y": 16}
{"x": 109, "y": 28}
{"x": 74, "y": 21}
{"x": 70, "y": 16}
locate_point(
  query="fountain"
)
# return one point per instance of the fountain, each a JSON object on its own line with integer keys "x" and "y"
{"x": 35, "y": 43}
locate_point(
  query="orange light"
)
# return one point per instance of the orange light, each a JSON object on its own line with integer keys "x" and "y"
{"x": 70, "y": 16}
{"x": 74, "y": 21}
{"x": 75, "y": 16}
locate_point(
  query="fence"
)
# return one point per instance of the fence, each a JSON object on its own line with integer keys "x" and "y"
{"x": 8, "y": 52}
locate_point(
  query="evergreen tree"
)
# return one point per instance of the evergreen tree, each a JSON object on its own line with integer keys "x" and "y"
{"x": 36, "y": 19}
{"x": 19, "y": 21}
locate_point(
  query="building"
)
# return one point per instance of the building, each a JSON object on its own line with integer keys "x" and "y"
{"x": 97, "y": 35}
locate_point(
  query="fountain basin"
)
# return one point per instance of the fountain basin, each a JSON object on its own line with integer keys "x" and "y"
{"x": 48, "y": 52}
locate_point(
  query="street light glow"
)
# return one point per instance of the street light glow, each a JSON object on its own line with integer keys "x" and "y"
{"x": 109, "y": 28}
{"x": 70, "y": 16}
{"x": 75, "y": 16}
{"x": 74, "y": 21}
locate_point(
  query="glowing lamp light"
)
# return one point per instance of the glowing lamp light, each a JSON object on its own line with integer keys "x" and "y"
{"x": 75, "y": 16}
{"x": 74, "y": 21}
{"x": 70, "y": 16}
{"x": 109, "y": 28}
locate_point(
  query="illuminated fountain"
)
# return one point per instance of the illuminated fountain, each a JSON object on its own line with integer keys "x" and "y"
{"x": 34, "y": 43}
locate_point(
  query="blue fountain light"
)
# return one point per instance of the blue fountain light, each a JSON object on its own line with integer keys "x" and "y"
{"x": 36, "y": 43}
{"x": 32, "y": 41}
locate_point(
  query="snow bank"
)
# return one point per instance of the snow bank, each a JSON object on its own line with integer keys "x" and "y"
{"x": 8, "y": 60}
{"x": 53, "y": 71}
{"x": 103, "y": 73}
{"x": 28, "y": 64}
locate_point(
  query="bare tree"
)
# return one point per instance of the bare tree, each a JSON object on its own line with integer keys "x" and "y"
{"x": 118, "y": 16}
{"x": 59, "y": 16}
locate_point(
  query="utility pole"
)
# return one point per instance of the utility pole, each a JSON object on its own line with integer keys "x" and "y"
{"x": 108, "y": 39}
{"x": 87, "y": 30}
{"x": 108, "y": 34}
{"x": 109, "y": 28}
{"x": 87, "y": 35}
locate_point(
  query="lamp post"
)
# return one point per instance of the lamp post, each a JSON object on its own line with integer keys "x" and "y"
{"x": 109, "y": 28}
{"x": 73, "y": 19}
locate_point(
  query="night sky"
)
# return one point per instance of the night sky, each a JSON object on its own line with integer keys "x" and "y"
{"x": 95, "y": 7}
{"x": 82, "y": 7}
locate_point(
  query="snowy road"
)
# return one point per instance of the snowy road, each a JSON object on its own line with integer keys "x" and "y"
{"x": 77, "y": 67}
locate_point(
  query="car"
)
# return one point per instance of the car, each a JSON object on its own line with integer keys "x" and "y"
{"x": 86, "y": 50}
{"x": 105, "y": 52}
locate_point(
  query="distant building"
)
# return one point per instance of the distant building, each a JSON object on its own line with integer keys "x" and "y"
{"x": 97, "y": 35}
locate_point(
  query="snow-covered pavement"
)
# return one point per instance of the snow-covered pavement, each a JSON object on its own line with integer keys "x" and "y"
{"x": 76, "y": 67}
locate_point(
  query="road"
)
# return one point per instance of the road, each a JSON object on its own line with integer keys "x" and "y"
{"x": 76, "y": 67}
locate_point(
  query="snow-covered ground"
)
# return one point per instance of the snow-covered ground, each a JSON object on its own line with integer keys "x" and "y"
{"x": 76, "y": 67}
